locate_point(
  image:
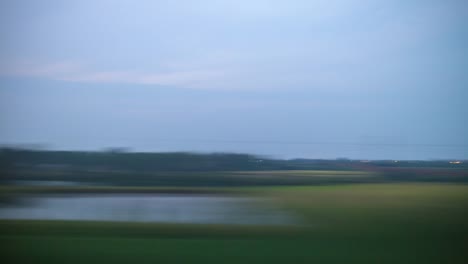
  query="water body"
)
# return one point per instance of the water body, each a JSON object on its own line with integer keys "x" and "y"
{"x": 149, "y": 208}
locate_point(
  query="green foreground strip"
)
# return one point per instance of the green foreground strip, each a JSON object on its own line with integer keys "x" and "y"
{"x": 368, "y": 223}
{"x": 198, "y": 250}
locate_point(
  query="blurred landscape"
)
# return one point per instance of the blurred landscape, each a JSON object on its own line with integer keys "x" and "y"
{"x": 116, "y": 206}
{"x": 117, "y": 167}
{"x": 233, "y": 131}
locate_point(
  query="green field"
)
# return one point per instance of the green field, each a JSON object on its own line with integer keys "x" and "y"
{"x": 367, "y": 223}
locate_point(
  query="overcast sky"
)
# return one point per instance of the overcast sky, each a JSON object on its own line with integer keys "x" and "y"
{"x": 295, "y": 78}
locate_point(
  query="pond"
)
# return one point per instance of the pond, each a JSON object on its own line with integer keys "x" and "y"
{"x": 198, "y": 209}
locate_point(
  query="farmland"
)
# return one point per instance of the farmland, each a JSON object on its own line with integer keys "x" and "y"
{"x": 359, "y": 223}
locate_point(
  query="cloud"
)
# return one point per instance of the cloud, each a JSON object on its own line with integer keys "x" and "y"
{"x": 334, "y": 45}
{"x": 77, "y": 72}
{"x": 190, "y": 79}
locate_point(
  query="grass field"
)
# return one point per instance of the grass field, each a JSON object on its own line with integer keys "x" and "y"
{"x": 201, "y": 179}
{"x": 367, "y": 223}
{"x": 309, "y": 173}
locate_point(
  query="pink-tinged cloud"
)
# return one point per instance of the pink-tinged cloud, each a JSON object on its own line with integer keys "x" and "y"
{"x": 75, "y": 72}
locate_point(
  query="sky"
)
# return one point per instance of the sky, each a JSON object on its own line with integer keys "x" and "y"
{"x": 360, "y": 79}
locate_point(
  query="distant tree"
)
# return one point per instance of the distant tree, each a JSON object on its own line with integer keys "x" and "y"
{"x": 117, "y": 150}
{"x": 7, "y": 164}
